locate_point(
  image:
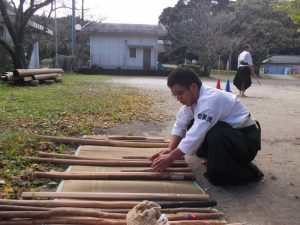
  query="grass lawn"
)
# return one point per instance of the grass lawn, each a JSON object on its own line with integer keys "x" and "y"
{"x": 82, "y": 104}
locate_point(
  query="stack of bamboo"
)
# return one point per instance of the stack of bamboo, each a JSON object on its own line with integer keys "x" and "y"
{"x": 33, "y": 76}
{"x": 126, "y": 179}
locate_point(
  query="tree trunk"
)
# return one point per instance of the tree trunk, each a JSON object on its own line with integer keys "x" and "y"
{"x": 19, "y": 61}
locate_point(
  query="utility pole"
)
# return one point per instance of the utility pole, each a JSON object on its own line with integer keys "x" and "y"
{"x": 55, "y": 37}
{"x": 73, "y": 30}
{"x": 82, "y": 10}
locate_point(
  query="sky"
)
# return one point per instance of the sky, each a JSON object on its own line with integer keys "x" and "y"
{"x": 126, "y": 11}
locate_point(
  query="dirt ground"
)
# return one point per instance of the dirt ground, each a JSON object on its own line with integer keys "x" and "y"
{"x": 276, "y": 104}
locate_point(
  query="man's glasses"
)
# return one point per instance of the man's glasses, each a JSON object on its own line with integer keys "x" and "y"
{"x": 179, "y": 95}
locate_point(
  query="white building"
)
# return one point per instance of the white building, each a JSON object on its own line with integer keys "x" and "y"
{"x": 124, "y": 46}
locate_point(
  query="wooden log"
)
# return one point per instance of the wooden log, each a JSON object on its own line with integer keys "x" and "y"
{"x": 58, "y": 79}
{"x": 46, "y": 76}
{"x": 118, "y": 196}
{"x": 34, "y": 83}
{"x": 29, "y": 78}
{"x": 107, "y": 162}
{"x": 7, "y": 76}
{"x": 30, "y": 72}
{"x": 116, "y": 175}
{"x": 71, "y": 203}
{"x": 83, "y": 141}
{"x": 59, "y": 213}
{"x": 48, "y": 82}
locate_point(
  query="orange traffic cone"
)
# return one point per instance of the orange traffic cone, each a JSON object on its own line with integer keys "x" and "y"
{"x": 218, "y": 86}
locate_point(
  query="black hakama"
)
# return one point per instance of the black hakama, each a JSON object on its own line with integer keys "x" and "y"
{"x": 242, "y": 79}
{"x": 229, "y": 153}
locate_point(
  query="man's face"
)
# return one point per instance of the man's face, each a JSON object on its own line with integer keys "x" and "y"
{"x": 186, "y": 96}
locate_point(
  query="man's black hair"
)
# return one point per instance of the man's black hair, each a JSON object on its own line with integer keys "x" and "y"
{"x": 247, "y": 46}
{"x": 183, "y": 77}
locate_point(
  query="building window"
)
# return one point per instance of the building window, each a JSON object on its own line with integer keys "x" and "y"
{"x": 132, "y": 53}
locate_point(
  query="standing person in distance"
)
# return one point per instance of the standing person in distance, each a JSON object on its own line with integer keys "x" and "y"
{"x": 215, "y": 126}
{"x": 242, "y": 79}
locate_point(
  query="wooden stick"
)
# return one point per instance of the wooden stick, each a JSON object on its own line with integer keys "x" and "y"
{"x": 60, "y": 212}
{"x": 71, "y": 203}
{"x": 86, "y": 221}
{"x": 193, "y": 216}
{"x": 68, "y": 156}
{"x": 128, "y": 138}
{"x": 190, "y": 210}
{"x": 198, "y": 222}
{"x": 142, "y": 157}
{"x": 81, "y": 221}
{"x": 191, "y": 204}
{"x": 170, "y": 210}
{"x": 176, "y": 169}
{"x": 116, "y": 175}
{"x": 111, "y": 196}
{"x": 21, "y": 208}
{"x": 108, "y": 162}
{"x": 83, "y": 141}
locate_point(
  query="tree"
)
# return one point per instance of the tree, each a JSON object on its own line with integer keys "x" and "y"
{"x": 196, "y": 30}
{"x": 292, "y": 8}
{"x": 267, "y": 31}
{"x": 16, "y": 25}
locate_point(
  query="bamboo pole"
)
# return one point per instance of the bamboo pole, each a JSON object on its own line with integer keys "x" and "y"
{"x": 194, "y": 216}
{"x": 68, "y": 156}
{"x": 176, "y": 169}
{"x": 142, "y": 157}
{"x": 21, "y": 208}
{"x": 128, "y": 138}
{"x": 171, "y": 210}
{"x": 198, "y": 222}
{"x": 107, "y": 162}
{"x": 86, "y": 221}
{"x": 111, "y": 196}
{"x": 81, "y": 221}
{"x": 171, "y": 206}
{"x": 83, "y": 141}
{"x": 192, "y": 204}
{"x": 71, "y": 203}
{"x": 71, "y": 212}
{"x": 59, "y": 213}
{"x": 116, "y": 175}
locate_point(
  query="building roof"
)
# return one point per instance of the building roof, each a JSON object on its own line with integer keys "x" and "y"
{"x": 282, "y": 59}
{"x": 159, "y": 29}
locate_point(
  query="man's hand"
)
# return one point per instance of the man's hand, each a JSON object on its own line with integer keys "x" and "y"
{"x": 164, "y": 159}
{"x": 164, "y": 151}
{"x": 162, "y": 162}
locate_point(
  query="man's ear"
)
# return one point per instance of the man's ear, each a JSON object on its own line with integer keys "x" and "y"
{"x": 194, "y": 87}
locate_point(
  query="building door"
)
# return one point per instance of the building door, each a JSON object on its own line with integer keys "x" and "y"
{"x": 146, "y": 58}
